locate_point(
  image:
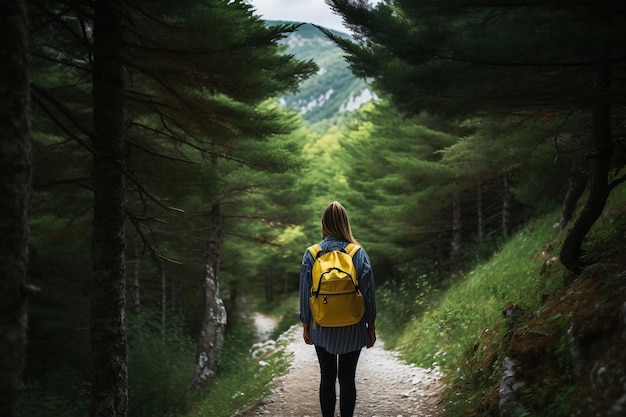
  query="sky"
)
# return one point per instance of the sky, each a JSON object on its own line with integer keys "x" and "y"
{"x": 307, "y": 11}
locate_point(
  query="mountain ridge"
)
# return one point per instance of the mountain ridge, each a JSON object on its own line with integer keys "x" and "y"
{"x": 333, "y": 90}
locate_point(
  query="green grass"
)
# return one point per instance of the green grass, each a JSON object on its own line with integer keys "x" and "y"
{"x": 461, "y": 328}
{"x": 443, "y": 334}
{"x": 160, "y": 363}
{"x": 286, "y": 312}
{"x": 242, "y": 381}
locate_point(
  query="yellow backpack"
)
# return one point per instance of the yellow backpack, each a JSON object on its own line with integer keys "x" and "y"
{"x": 335, "y": 297}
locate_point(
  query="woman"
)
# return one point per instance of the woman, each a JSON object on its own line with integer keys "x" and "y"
{"x": 338, "y": 348}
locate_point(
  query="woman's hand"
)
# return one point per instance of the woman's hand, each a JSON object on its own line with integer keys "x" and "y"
{"x": 305, "y": 335}
{"x": 371, "y": 330}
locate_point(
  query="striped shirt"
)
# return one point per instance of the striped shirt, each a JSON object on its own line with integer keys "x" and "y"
{"x": 338, "y": 340}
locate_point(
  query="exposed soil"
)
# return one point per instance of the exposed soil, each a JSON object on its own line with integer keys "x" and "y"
{"x": 386, "y": 386}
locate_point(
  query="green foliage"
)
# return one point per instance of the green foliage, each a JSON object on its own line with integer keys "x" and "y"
{"x": 404, "y": 177}
{"x": 482, "y": 60}
{"x": 562, "y": 400}
{"x": 482, "y": 57}
{"x": 286, "y": 310}
{"x": 242, "y": 381}
{"x": 527, "y": 150}
{"x": 443, "y": 335}
{"x": 480, "y": 250}
{"x": 160, "y": 361}
{"x": 608, "y": 227}
{"x": 203, "y": 131}
{"x": 465, "y": 334}
{"x": 160, "y": 364}
{"x": 399, "y": 301}
{"x": 63, "y": 393}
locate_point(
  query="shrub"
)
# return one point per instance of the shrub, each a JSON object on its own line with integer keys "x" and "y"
{"x": 160, "y": 364}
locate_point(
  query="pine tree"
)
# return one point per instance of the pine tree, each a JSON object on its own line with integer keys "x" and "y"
{"x": 397, "y": 179}
{"x": 15, "y": 185}
{"x": 188, "y": 98}
{"x": 461, "y": 58}
{"x": 109, "y": 381}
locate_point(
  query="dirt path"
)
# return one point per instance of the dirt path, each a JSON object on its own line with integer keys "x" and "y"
{"x": 386, "y": 386}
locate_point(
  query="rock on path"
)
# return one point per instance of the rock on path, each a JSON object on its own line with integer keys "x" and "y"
{"x": 386, "y": 386}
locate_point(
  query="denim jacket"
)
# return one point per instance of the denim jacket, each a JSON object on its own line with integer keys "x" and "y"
{"x": 338, "y": 340}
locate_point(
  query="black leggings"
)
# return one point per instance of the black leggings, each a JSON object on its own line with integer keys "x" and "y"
{"x": 346, "y": 365}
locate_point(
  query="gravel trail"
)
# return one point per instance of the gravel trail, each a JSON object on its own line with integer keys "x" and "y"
{"x": 386, "y": 386}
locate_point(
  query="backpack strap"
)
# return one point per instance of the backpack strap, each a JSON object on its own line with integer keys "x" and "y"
{"x": 315, "y": 250}
{"x": 351, "y": 249}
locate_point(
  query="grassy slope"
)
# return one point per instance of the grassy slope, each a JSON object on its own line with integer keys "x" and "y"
{"x": 466, "y": 334}
{"x": 443, "y": 335}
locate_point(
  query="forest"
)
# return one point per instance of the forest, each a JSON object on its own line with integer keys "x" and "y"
{"x": 158, "y": 189}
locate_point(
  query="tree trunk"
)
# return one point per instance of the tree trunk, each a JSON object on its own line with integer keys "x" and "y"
{"x": 506, "y": 209}
{"x": 15, "y": 183}
{"x": 457, "y": 238}
{"x": 480, "y": 215}
{"x": 136, "y": 283}
{"x": 233, "y": 289}
{"x": 269, "y": 289}
{"x": 575, "y": 189}
{"x": 600, "y": 160}
{"x": 109, "y": 378}
{"x": 163, "y": 296}
{"x": 211, "y": 339}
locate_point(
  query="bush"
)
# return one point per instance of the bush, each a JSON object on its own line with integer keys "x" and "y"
{"x": 61, "y": 394}
{"x": 399, "y": 302}
{"x": 288, "y": 313}
{"x": 241, "y": 381}
{"x": 160, "y": 365}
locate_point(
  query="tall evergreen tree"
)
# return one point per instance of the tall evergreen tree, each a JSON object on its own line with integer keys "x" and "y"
{"x": 542, "y": 58}
{"x": 109, "y": 379}
{"x": 395, "y": 171}
{"x": 217, "y": 114}
{"x": 188, "y": 98}
{"x": 15, "y": 186}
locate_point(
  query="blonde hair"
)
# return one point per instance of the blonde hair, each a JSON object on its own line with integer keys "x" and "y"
{"x": 335, "y": 222}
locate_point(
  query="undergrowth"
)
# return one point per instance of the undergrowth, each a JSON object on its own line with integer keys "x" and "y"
{"x": 442, "y": 325}
{"x": 462, "y": 330}
{"x": 160, "y": 362}
{"x": 286, "y": 312}
{"x": 61, "y": 394}
{"x": 442, "y": 335}
{"x": 398, "y": 302}
{"x": 243, "y": 381}
{"x": 160, "y": 365}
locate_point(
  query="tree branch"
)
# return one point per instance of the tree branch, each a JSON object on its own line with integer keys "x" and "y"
{"x": 617, "y": 181}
